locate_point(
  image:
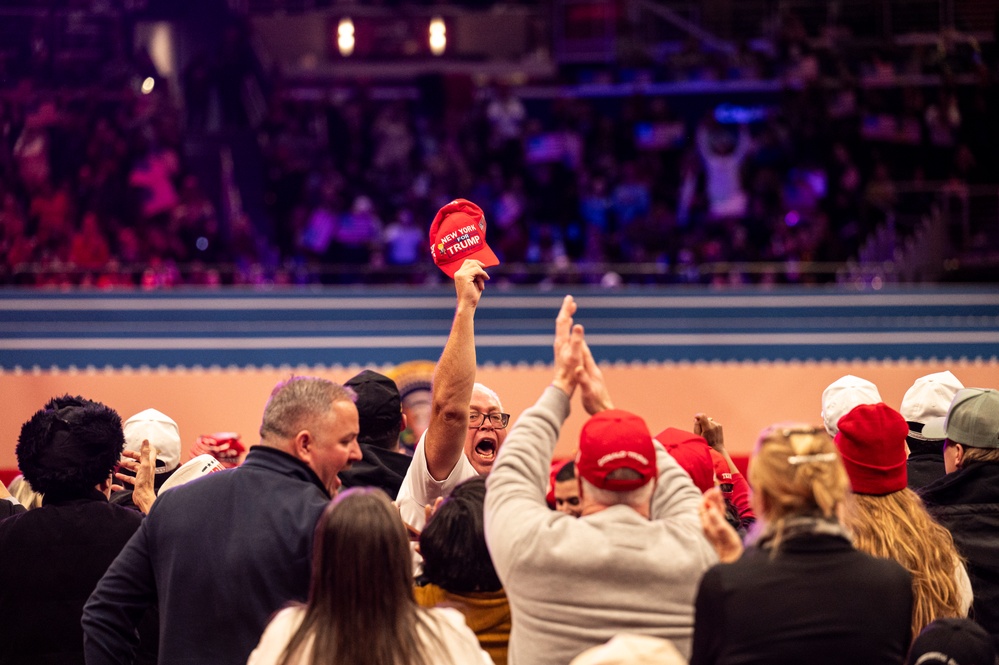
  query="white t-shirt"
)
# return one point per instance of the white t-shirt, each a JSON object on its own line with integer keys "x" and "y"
{"x": 419, "y": 488}
{"x": 458, "y": 641}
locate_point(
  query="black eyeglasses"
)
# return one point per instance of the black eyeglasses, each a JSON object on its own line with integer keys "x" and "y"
{"x": 498, "y": 420}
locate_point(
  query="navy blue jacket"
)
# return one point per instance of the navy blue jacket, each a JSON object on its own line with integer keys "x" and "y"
{"x": 219, "y": 556}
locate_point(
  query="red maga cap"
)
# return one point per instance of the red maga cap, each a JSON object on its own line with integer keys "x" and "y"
{"x": 612, "y": 440}
{"x": 691, "y": 452}
{"x": 226, "y": 447}
{"x": 458, "y": 233}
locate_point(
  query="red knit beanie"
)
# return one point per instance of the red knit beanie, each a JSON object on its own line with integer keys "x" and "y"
{"x": 871, "y": 441}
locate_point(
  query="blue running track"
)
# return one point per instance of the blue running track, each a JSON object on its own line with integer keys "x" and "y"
{"x": 386, "y": 326}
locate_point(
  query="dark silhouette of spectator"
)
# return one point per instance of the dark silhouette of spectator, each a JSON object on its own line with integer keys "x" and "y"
{"x": 51, "y": 558}
{"x": 458, "y": 571}
{"x": 379, "y": 409}
{"x": 965, "y": 499}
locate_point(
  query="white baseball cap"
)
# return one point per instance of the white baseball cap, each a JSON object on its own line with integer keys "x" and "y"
{"x": 927, "y": 402}
{"x": 192, "y": 469}
{"x": 162, "y": 433}
{"x": 842, "y": 396}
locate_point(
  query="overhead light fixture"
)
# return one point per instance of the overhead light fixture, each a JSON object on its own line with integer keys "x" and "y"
{"x": 345, "y": 36}
{"x": 438, "y": 35}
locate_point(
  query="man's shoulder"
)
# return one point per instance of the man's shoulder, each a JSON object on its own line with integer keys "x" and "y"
{"x": 73, "y": 523}
{"x": 123, "y": 514}
{"x": 85, "y": 510}
{"x": 12, "y": 523}
{"x": 398, "y": 462}
{"x": 377, "y": 468}
{"x": 241, "y": 479}
{"x": 197, "y": 490}
{"x": 975, "y": 485}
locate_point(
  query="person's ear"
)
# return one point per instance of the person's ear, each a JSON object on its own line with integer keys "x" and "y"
{"x": 403, "y": 422}
{"x": 958, "y": 454}
{"x": 302, "y": 444}
{"x": 104, "y": 487}
{"x": 579, "y": 487}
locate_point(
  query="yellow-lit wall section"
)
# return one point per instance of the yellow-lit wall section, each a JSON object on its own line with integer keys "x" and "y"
{"x": 745, "y": 397}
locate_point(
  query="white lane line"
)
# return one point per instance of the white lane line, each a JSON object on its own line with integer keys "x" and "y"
{"x": 747, "y": 324}
{"x": 374, "y": 302}
{"x": 501, "y": 341}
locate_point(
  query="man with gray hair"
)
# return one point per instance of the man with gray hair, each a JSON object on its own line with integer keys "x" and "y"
{"x": 221, "y": 554}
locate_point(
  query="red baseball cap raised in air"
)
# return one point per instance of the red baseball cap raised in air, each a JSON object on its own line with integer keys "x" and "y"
{"x": 611, "y": 440}
{"x": 458, "y": 232}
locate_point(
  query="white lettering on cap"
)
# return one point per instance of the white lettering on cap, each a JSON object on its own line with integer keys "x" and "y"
{"x": 610, "y": 457}
{"x": 463, "y": 245}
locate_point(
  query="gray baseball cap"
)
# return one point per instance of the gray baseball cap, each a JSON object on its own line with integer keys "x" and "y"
{"x": 973, "y": 418}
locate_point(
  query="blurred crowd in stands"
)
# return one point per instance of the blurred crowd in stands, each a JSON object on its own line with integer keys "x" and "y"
{"x": 666, "y": 186}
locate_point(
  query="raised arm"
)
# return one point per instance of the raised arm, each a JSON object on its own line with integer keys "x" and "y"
{"x": 591, "y": 383}
{"x": 713, "y": 433}
{"x": 515, "y": 507}
{"x": 455, "y": 376}
{"x": 568, "y": 349}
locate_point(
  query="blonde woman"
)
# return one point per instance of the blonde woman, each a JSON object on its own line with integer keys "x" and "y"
{"x": 889, "y": 520}
{"x": 800, "y": 592}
